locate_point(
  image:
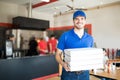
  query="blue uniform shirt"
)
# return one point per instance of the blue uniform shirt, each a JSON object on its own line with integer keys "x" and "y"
{"x": 70, "y": 40}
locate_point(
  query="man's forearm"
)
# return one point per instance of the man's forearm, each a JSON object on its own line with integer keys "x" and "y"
{"x": 59, "y": 59}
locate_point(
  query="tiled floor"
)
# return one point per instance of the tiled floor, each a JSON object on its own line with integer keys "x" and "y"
{"x": 57, "y": 78}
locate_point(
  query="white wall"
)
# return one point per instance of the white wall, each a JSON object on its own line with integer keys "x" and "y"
{"x": 105, "y": 25}
{"x": 63, "y": 20}
{"x": 44, "y": 16}
{"x": 8, "y": 11}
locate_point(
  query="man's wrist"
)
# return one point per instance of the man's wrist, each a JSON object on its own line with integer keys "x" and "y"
{"x": 63, "y": 63}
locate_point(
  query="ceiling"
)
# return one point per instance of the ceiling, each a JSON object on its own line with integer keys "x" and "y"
{"x": 61, "y": 6}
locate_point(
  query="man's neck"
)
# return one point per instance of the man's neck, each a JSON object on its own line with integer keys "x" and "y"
{"x": 79, "y": 32}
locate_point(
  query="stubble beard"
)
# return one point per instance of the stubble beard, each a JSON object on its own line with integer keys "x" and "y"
{"x": 79, "y": 26}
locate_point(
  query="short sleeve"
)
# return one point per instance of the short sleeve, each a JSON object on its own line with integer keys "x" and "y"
{"x": 61, "y": 42}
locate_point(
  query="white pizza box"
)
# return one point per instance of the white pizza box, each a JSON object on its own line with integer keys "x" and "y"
{"x": 86, "y": 67}
{"x": 86, "y": 51}
{"x": 83, "y": 62}
{"x": 84, "y": 58}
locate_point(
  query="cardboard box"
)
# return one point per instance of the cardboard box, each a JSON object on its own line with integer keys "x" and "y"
{"x": 84, "y": 58}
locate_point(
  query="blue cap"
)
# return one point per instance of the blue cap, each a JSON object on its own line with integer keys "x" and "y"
{"x": 79, "y": 13}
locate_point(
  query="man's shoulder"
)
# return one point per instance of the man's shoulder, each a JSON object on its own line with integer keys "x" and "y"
{"x": 67, "y": 32}
{"x": 88, "y": 34}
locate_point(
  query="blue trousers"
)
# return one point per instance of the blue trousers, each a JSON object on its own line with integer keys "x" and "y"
{"x": 75, "y": 76}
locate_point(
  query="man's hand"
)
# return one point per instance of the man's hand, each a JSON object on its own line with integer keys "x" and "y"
{"x": 65, "y": 65}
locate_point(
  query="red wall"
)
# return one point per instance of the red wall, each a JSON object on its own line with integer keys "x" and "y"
{"x": 87, "y": 26}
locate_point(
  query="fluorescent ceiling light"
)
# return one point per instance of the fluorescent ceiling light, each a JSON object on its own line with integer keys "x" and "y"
{"x": 45, "y": 0}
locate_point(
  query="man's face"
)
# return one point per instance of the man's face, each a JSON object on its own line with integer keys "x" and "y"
{"x": 79, "y": 22}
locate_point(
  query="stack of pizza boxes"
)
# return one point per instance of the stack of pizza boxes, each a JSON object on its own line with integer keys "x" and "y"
{"x": 84, "y": 58}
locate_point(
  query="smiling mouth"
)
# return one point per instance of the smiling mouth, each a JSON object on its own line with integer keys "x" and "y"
{"x": 79, "y": 24}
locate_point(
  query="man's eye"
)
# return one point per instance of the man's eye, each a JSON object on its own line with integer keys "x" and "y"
{"x": 82, "y": 18}
{"x": 76, "y": 19}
